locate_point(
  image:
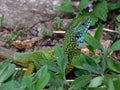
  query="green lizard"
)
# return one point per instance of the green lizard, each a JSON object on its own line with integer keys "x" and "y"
{"x": 73, "y": 41}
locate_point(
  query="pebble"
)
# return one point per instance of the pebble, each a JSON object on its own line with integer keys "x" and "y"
{"x": 47, "y": 42}
{"x": 54, "y": 42}
{"x": 33, "y": 32}
{"x": 44, "y": 48}
{"x": 61, "y": 41}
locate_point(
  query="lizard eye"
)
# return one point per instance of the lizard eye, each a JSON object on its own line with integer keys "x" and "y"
{"x": 77, "y": 36}
{"x": 83, "y": 24}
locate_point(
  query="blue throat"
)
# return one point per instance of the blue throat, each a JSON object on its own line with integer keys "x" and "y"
{"x": 82, "y": 29}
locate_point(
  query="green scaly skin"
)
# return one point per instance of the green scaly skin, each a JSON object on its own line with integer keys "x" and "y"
{"x": 31, "y": 59}
{"x": 70, "y": 47}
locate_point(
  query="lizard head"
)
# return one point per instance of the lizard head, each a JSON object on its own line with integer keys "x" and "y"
{"x": 76, "y": 30}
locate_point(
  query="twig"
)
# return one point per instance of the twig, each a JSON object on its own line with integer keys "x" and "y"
{"x": 104, "y": 29}
{"x": 59, "y": 32}
{"x": 108, "y": 30}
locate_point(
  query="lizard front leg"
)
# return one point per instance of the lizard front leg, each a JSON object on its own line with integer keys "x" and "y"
{"x": 30, "y": 69}
{"x": 29, "y": 65}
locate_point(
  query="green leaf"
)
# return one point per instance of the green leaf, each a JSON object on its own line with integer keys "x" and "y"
{"x": 4, "y": 65}
{"x": 94, "y": 20}
{"x": 100, "y": 10}
{"x": 51, "y": 65}
{"x": 87, "y": 63}
{"x": 42, "y": 78}
{"x": 118, "y": 18}
{"x": 2, "y": 20}
{"x": 42, "y": 82}
{"x": 20, "y": 32}
{"x": 67, "y": 7}
{"x": 80, "y": 82}
{"x": 52, "y": 88}
{"x": 99, "y": 32}
{"x": 60, "y": 88}
{"x": 16, "y": 34}
{"x": 115, "y": 46}
{"x": 56, "y": 80}
{"x": 28, "y": 82}
{"x": 62, "y": 60}
{"x": 112, "y": 82}
{"x": 113, "y": 6}
{"x": 12, "y": 85}
{"x": 50, "y": 33}
{"x": 103, "y": 65}
{"x": 17, "y": 74}
{"x": 93, "y": 42}
{"x": 98, "y": 88}
{"x": 118, "y": 29}
{"x": 113, "y": 64}
{"x": 41, "y": 32}
{"x": 6, "y": 71}
{"x": 97, "y": 81}
{"x": 59, "y": 23}
{"x": 80, "y": 72}
{"x": 110, "y": 85}
{"x": 83, "y": 4}
{"x": 117, "y": 83}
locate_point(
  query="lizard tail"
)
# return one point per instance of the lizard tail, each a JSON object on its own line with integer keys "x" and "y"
{"x": 6, "y": 53}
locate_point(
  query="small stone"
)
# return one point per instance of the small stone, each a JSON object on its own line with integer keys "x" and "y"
{"x": 44, "y": 48}
{"x": 48, "y": 47}
{"x": 61, "y": 41}
{"x": 54, "y": 42}
{"x": 47, "y": 42}
{"x": 33, "y": 32}
{"x": 28, "y": 37}
{"x": 35, "y": 39}
{"x": 27, "y": 13}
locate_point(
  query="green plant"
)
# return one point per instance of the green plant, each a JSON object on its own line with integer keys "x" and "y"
{"x": 31, "y": 82}
{"x": 14, "y": 36}
{"x": 118, "y": 19}
{"x": 99, "y": 11}
{"x": 2, "y": 24}
{"x": 92, "y": 72}
{"x": 101, "y": 70}
{"x": 43, "y": 32}
{"x": 6, "y": 70}
{"x": 67, "y": 7}
{"x": 59, "y": 23}
{"x": 102, "y": 66}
